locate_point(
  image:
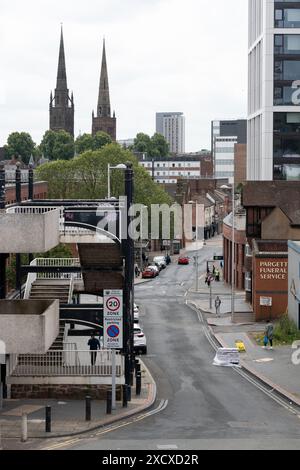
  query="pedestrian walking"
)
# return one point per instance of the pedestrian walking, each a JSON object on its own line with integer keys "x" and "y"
{"x": 269, "y": 333}
{"x": 217, "y": 275}
{"x": 218, "y": 303}
{"x": 209, "y": 281}
{"x": 137, "y": 271}
{"x": 94, "y": 345}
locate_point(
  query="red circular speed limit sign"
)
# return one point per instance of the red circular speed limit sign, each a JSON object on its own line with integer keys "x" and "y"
{"x": 113, "y": 304}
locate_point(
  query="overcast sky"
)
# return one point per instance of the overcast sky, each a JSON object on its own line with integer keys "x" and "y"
{"x": 163, "y": 55}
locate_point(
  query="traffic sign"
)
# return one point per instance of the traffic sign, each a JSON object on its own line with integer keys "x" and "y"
{"x": 113, "y": 319}
{"x": 218, "y": 258}
{"x": 113, "y": 331}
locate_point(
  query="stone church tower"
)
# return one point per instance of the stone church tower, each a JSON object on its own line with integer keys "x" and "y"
{"x": 104, "y": 121}
{"x": 62, "y": 105}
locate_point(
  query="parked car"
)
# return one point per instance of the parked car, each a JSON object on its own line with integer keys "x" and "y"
{"x": 149, "y": 273}
{"x": 160, "y": 261}
{"x": 155, "y": 269}
{"x": 183, "y": 260}
{"x": 140, "y": 341}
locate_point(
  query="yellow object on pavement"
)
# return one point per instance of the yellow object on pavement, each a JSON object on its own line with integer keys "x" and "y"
{"x": 240, "y": 346}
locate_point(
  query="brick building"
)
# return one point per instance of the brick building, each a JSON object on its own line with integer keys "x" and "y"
{"x": 272, "y": 218}
{"x": 240, "y": 163}
{"x": 239, "y": 248}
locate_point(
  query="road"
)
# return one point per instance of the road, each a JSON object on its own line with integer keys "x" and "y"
{"x": 207, "y": 407}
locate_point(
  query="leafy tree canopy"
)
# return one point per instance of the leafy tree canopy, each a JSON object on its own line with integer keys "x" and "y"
{"x": 20, "y": 144}
{"x": 87, "y": 142}
{"x": 57, "y": 145}
{"x": 155, "y": 146}
{"x": 86, "y": 177}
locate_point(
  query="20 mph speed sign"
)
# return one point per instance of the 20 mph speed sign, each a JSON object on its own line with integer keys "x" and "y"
{"x": 113, "y": 319}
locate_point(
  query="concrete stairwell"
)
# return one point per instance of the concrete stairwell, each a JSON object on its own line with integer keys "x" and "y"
{"x": 51, "y": 290}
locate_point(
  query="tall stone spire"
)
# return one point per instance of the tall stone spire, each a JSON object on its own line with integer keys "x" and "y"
{"x": 61, "y": 104}
{"x": 104, "y": 121}
{"x": 61, "y": 83}
{"x": 103, "y": 108}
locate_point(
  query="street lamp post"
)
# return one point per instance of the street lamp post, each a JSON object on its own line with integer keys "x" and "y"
{"x": 111, "y": 167}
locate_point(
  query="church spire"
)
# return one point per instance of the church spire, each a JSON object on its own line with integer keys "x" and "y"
{"x": 103, "y": 108}
{"x": 61, "y": 83}
{"x": 61, "y": 103}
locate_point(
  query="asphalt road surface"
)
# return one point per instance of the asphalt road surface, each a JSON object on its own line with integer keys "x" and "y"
{"x": 204, "y": 407}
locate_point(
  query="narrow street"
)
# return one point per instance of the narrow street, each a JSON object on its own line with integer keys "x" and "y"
{"x": 207, "y": 407}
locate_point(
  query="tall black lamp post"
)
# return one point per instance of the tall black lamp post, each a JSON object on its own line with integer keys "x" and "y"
{"x": 3, "y": 257}
{"x": 129, "y": 279}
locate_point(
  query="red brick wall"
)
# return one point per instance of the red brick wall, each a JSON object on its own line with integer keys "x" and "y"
{"x": 40, "y": 191}
{"x": 270, "y": 279}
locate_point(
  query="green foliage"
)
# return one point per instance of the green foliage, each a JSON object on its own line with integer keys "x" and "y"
{"x": 155, "y": 146}
{"x": 285, "y": 332}
{"x": 20, "y": 144}
{"x": 87, "y": 142}
{"x": 60, "y": 251}
{"x": 86, "y": 177}
{"x": 57, "y": 145}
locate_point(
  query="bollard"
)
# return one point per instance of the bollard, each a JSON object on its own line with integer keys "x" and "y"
{"x": 109, "y": 402}
{"x": 88, "y": 408}
{"x": 125, "y": 401}
{"x": 24, "y": 428}
{"x": 128, "y": 392}
{"x": 138, "y": 383}
{"x": 48, "y": 419}
{"x": 138, "y": 369}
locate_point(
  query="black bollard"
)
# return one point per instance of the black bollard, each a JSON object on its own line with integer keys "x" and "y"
{"x": 48, "y": 418}
{"x": 128, "y": 392}
{"x": 88, "y": 408}
{"x": 109, "y": 402}
{"x": 125, "y": 401}
{"x": 138, "y": 383}
{"x": 138, "y": 369}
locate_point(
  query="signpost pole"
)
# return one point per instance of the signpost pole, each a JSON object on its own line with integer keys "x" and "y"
{"x": 113, "y": 365}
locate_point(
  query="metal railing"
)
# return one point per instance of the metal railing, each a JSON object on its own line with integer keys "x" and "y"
{"x": 69, "y": 363}
{"x": 53, "y": 262}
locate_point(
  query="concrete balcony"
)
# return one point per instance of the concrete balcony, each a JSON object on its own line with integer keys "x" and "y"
{"x": 29, "y": 230}
{"x": 28, "y": 326}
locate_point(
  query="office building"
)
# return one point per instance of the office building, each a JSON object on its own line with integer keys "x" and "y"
{"x": 224, "y": 136}
{"x": 172, "y": 127}
{"x": 273, "y": 95}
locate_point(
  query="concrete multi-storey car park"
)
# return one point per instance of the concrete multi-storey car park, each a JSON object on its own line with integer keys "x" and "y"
{"x": 104, "y": 262}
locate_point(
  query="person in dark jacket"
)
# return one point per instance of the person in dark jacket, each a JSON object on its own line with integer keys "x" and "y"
{"x": 94, "y": 345}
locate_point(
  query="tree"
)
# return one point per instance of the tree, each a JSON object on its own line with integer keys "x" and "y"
{"x": 57, "y": 145}
{"x": 87, "y": 142}
{"x": 100, "y": 140}
{"x": 86, "y": 177}
{"x": 155, "y": 146}
{"x": 84, "y": 143}
{"x": 160, "y": 144}
{"x": 20, "y": 144}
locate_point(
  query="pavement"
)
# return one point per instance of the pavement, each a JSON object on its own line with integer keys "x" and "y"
{"x": 68, "y": 417}
{"x": 273, "y": 367}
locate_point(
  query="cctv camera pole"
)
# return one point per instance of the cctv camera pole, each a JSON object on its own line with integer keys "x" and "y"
{"x": 129, "y": 279}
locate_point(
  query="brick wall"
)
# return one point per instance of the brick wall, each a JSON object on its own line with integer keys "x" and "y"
{"x": 59, "y": 392}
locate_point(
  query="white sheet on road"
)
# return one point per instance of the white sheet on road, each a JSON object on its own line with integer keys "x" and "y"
{"x": 227, "y": 357}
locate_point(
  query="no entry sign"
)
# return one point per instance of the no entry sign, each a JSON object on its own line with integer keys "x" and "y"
{"x": 113, "y": 319}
